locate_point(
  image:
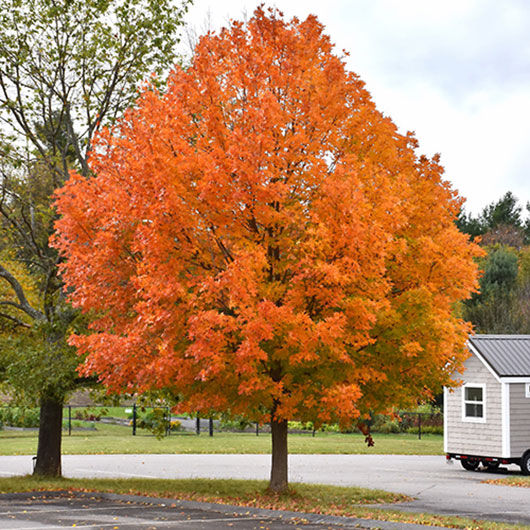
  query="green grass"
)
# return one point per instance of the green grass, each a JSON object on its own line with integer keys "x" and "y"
{"x": 114, "y": 439}
{"x": 228, "y": 491}
{"x": 308, "y": 498}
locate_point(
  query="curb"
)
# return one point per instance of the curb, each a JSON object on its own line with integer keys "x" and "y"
{"x": 361, "y": 524}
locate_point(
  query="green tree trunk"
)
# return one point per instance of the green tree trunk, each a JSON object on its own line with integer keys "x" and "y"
{"x": 48, "y": 462}
{"x": 279, "y": 482}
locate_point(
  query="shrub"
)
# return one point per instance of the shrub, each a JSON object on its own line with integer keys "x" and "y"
{"x": 408, "y": 422}
{"x": 427, "y": 429}
{"x": 89, "y": 415}
{"x": 19, "y": 417}
{"x": 236, "y": 423}
{"x": 300, "y": 426}
{"x": 156, "y": 420}
{"x": 175, "y": 426}
{"x": 385, "y": 424}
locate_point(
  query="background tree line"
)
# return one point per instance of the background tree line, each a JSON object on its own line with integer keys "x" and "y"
{"x": 503, "y": 303}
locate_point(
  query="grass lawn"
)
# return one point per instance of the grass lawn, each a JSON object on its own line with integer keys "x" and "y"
{"x": 309, "y": 498}
{"x": 114, "y": 439}
{"x": 519, "y": 481}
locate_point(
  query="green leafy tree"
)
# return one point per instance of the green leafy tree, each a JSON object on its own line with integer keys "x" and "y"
{"x": 523, "y": 288}
{"x": 499, "y": 222}
{"x": 501, "y": 306}
{"x": 468, "y": 224}
{"x": 506, "y": 211}
{"x": 500, "y": 271}
{"x": 67, "y": 67}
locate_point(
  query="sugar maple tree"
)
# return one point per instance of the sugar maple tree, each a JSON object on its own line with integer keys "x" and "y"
{"x": 261, "y": 240}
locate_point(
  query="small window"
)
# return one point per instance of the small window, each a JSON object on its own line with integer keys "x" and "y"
{"x": 474, "y": 403}
{"x": 527, "y": 390}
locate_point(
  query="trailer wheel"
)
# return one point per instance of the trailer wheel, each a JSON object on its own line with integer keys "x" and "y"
{"x": 525, "y": 463}
{"x": 470, "y": 465}
{"x": 491, "y": 466}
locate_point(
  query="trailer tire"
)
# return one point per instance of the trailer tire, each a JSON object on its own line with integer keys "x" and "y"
{"x": 470, "y": 465}
{"x": 525, "y": 463}
{"x": 491, "y": 466}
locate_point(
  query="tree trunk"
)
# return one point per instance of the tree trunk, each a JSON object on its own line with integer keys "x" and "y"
{"x": 48, "y": 462}
{"x": 279, "y": 482}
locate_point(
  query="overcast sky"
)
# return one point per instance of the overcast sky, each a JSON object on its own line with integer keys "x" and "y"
{"x": 457, "y": 72}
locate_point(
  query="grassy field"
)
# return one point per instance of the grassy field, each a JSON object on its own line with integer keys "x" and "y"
{"x": 114, "y": 439}
{"x": 308, "y": 498}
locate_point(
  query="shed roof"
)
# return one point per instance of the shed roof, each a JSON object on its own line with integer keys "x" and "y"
{"x": 508, "y": 355}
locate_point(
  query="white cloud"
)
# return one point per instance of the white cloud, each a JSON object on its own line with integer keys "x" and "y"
{"x": 457, "y": 72}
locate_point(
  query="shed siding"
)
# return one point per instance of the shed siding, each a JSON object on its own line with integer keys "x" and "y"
{"x": 481, "y": 439}
{"x": 519, "y": 420}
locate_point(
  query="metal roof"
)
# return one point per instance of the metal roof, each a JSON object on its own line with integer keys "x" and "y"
{"x": 508, "y": 355}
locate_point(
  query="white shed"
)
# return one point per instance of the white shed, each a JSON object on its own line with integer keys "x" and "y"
{"x": 487, "y": 419}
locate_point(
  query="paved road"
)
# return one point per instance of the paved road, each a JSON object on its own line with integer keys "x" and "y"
{"x": 438, "y": 487}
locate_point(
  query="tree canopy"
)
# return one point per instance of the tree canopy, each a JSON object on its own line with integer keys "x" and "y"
{"x": 498, "y": 222}
{"x": 502, "y": 305}
{"x": 259, "y": 239}
{"x": 66, "y": 68}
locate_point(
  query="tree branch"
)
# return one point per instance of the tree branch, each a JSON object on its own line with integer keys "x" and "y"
{"x": 16, "y": 321}
{"x": 24, "y": 305}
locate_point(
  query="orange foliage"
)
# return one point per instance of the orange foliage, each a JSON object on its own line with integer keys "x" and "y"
{"x": 260, "y": 239}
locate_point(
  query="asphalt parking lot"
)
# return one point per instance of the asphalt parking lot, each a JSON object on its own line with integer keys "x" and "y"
{"x": 65, "y": 511}
{"x": 57, "y": 511}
